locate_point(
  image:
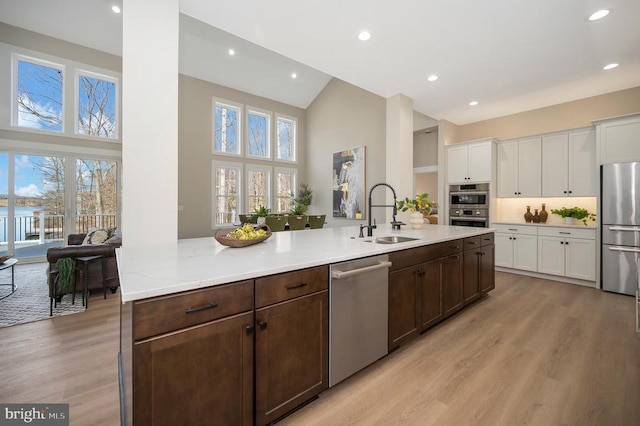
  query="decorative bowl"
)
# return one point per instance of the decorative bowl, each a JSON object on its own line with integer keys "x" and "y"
{"x": 232, "y": 242}
{"x": 4, "y": 258}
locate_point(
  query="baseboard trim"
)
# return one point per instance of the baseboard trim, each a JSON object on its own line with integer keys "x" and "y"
{"x": 568, "y": 280}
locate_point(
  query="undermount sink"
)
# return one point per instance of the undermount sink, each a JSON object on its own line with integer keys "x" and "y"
{"x": 392, "y": 239}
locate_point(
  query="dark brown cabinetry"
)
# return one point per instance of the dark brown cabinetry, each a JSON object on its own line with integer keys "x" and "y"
{"x": 470, "y": 262}
{"x": 403, "y": 306}
{"x": 487, "y": 274}
{"x": 479, "y": 265}
{"x": 291, "y": 341}
{"x": 452, "y": 284}
{"x": 431, "y": 294}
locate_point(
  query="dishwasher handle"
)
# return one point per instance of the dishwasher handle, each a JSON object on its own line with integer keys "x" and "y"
{"x": 346, "y": 274}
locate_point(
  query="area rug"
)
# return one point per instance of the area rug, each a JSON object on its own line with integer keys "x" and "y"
{"x": 30, "y": 302}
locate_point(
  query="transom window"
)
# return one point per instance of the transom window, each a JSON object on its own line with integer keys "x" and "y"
{"x": 96, "y": 106}
{"x": 227, "y": 186}
{"x": 39, "y": 96}
{"x": 258, "y": 134}
{"x": 226, "y": 123}
{"x": 285, "y": 139}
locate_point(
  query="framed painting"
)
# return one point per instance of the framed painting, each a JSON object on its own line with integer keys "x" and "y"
{"x": 349, "y": 183}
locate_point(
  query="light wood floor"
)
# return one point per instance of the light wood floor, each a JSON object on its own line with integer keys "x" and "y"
{"x": 534, "y": 352}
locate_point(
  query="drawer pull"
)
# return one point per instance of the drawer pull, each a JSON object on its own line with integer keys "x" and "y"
{"x": 293, "y": 287}
{"x": 513, "y": 229}
{"x": 249, "y": 329}
{"x": 454, "y": 257}
{"x": 202, "y": 308}
{"x": 565, "y": 233}
{"x": 454, "y": 247}
{"x": 487, "y": 239}
{"x": 262, "y": 325}
{"x": 470, "y": 242}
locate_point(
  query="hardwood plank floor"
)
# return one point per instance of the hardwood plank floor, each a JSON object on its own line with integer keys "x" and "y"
{"x": 534, "y": 352}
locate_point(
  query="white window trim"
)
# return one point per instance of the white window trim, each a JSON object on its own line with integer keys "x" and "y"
{"x": 228, "y": 104}
{"x": 295, "y": 138}
{"x": 18, "y": 57}
{"x": 258, "y": 168}
{"x": 214, "y": 167}
{"x": 283, "y": 170}
{"x": 76, "y": 103}
{"x": 269, "y": 116}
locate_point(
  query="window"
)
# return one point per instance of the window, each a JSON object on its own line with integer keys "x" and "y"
{"x": 39, "y": 94}
{"x": 258, "y": 134}
{"x": 226, "y": 184}
{"x": 226, "y": 123}
{"x": 285, "y": 139}
{"x": 258, "y": 184}
{"x": 285, "y": 186}
{"x": 96, "y": 106}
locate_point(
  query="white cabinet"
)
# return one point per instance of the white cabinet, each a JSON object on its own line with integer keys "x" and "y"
{"x": 519, "y": 168}
{"x": 617, "y": 139}
{"x": 569, "y": 164}
{"x": 470, "y": 162}
{"x": 516, "y": 247}
{"x": 567, "y": 252}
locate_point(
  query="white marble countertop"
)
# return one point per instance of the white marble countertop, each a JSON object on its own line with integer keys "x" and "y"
{"x": 590, "y": 225}
{"x": 148, "y": 271}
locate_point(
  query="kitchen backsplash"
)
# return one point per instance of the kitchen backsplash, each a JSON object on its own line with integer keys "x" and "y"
{"x": 513, "y": 209}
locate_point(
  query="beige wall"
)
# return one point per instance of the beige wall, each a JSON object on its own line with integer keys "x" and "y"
{"x": 195, "y": 143}
{"x": 343, "y": 116}
{"x": 564, "y": 116}
{"x": 425, "y": 149}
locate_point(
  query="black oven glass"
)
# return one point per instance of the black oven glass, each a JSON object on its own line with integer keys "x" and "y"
{"x": 462, "y": 199}
{"x": 472, "y": 223}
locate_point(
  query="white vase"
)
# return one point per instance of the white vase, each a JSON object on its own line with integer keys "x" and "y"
{"x": 568, "y": 220}
{"x": 416, "y": 220}
{"x": 261, "y": 220}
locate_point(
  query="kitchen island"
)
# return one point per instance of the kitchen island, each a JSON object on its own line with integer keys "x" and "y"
{"x": 202, "y": 324}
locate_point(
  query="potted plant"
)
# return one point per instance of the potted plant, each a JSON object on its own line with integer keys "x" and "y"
{"x": 303, "y": 199}
{"x": 571, "y": 213}
{"x": 262, "y": 212}
{"x": 419, "y": 207}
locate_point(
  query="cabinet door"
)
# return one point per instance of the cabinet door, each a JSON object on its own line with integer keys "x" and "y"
{"x": 202, "y": 372}
{"x": 504, "y": 250}
{"x": 457, "y": 171}
{"x": 479, "y": 162}
{"x": 403, "y": 305}
{"x": 292, "y": 342}
{"x": 487, "y": 274}
{"x": 582, "y": 164}
{"x": 451, "y": 284}
{"x": 525, "y": 252}
{"x": 530, "y": 167}
{"x": 470, "y": 269}
{"x": 551, "y": 255}
{"x": 430, "y": 295}
{"x": 580, "y": 259}
{"x": 507, "y": 169}
{"x": 618, "y": 140}
{"x": 555, "y": 164}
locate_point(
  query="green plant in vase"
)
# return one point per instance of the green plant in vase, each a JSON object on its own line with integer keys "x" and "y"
{"x": 578, "y": 213}
{"x": 419, "y": 204}
{"x": 299, "y": 210}
{"x": 261, "y": 211}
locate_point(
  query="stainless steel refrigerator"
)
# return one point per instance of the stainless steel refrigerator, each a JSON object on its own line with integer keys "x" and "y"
{"x": 620, "y": 209}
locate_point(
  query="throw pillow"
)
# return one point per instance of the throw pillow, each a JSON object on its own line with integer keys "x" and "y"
{"x": 97, "y": 236}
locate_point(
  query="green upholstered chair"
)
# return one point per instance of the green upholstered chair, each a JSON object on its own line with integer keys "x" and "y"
{"x": 297, "y": 223}
{"x": 276, "y": 223}
{"x": 316, "y": 221}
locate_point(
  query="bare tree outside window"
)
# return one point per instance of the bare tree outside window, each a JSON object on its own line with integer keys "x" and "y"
{"x": 96, "y": 194}
{"x": 285, "y": 144}
{"x": 226, "y": 122}
{"x": 226, "y": 196}
{"x": 39, "y": 97}
{"x": 257, "y": 184}
{"x": 96, "y": 107}
{"x": 285, "y": 183}
{"x": 258, "y": 134}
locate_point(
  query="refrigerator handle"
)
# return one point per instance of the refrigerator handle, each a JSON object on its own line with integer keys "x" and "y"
{"x": 624, "y": 228}
{"x": 630, "y": 250}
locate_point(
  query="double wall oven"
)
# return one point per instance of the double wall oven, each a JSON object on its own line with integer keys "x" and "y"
{"x": 469, "y": 205}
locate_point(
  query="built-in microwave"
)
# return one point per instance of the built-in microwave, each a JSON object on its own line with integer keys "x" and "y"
{"x": 469, "y": 196}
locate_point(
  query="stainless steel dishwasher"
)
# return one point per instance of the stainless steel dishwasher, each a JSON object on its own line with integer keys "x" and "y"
{"x": 358, "y": 315}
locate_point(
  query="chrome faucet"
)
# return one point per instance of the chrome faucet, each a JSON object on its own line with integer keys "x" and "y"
{"x": 395, "y": 224}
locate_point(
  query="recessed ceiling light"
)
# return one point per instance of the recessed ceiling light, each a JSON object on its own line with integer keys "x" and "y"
{"x": 364, "y": 35}
{"x": 294, "y": 75}
{"x": 115, "y": 8}
{"x": 610, "y": 66}
{"x": 432, "y": 77}
{"x": 473, "y": 103}
{"x": 232, "y": 52}
{"x": 599, "y": 14}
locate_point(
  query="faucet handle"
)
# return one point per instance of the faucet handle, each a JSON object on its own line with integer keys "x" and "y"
{"x": 374, "y": 226}
{"x": 361, "y": 229}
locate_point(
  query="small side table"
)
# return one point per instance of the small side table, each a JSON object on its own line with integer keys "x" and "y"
{"x": 82, "y": 263}
{"x": 10, "y": 263}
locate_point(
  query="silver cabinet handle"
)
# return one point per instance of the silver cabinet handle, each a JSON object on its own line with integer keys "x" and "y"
{"x": 346, "y": 274}
{"x": 623, "y": 228}
{"x": 625, "y": 249}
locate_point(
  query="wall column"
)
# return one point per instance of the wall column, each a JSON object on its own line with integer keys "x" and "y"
{"x": 399, "y": 148}
{"x": 150, "y": 32}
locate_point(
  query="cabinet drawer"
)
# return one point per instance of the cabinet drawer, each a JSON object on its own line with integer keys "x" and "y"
{"x": 486, "y": 239}
{"x": 516, "y": 229}
{"x": 450, "y": 247}
{"x": 281, "y": 287}
{"x": 470, "y": 243}
{"x": 586, "y": 234}
{"x": 168, "y": 313}
{"x": 405, "y": 258}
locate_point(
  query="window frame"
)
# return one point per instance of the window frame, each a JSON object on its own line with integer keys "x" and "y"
{"x": 76, "y": 105}
{"x": 215, "y": 165}
{"x": 240, "y": 112}
{"x": 269, "y": 116}
{"x": 15, "y": 113}
{"x": 259, "y": 168}
{"x": 294, "y": 120}
{"x": 294, "y": 182}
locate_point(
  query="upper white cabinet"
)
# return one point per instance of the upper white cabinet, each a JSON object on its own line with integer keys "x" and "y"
{"x": 470, "y": 162}
{"x": 569, "y": 164}
{"x": 618, "y": 139}
{"x": 519, "y": 168}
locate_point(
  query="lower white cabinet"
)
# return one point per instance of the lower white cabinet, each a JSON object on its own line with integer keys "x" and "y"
{"x": 516, "y": 247}
{"x": 567, "y": 252}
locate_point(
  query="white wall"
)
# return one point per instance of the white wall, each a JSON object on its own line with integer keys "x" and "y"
{"x": 425, "y": 149}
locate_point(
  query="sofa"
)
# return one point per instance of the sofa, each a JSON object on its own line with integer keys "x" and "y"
{"x": 75, "y": 248}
